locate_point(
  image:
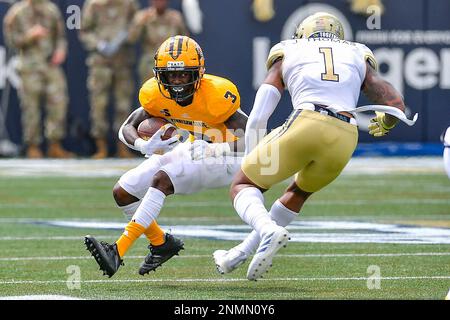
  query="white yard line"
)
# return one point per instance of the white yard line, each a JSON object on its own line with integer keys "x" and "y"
{"x": 221, "y": 280}
{"x": 116, "y": 167}
{"x": 332, "y": 255}
{"x": 226, "y": 204}
{"x": 301, "y": 231}
{"x": 215, "y": 219}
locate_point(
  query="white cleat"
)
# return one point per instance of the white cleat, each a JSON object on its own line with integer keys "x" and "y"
{"x": 268, "y": 247}
{"x": 227, "y": 261}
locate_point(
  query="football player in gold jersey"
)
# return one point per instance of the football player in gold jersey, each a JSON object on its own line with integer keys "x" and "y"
{"x": 208, "y": 107}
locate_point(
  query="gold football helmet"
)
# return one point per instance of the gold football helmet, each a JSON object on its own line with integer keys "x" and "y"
{"x": 320, "y": 24}
{"x": 179, "y": 54}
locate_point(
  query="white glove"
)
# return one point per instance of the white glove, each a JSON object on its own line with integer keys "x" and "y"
{"x": 201, "y": 149}
{"x": 155, "y": 144}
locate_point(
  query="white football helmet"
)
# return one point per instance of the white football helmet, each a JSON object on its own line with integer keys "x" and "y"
{"x": 320, "y": 24}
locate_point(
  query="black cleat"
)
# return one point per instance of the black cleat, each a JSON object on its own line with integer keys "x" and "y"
{"x": 160, "y": 254}
{"x": 105, "y": 254}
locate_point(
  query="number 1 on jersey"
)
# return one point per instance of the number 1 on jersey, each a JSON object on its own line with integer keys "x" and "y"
{"x": 329, "y": 74}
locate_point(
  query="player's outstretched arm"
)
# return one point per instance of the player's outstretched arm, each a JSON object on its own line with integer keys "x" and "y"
{"x": 274, "y": 76}
{"x": 381, "y": 92}
{"x": 266, "y": 100}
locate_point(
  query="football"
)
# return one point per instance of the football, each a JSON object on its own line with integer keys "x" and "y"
{"x": 148, "y": 127}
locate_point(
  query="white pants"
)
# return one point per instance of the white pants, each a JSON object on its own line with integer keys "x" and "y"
{"x": 187, "y": 176}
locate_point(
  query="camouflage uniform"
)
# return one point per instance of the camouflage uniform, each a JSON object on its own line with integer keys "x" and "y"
{"x": 39, "y": 77}
{"x": 103, "y": 20}
{"x": 152, "y": 30}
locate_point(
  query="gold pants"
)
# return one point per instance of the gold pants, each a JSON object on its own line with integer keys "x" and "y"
{"x": 313, "y": 146}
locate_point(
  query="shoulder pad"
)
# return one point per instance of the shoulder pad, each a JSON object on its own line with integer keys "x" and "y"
{"x": 223, "y": 98}
{"x": 275, "y": 53}
{"x": 147, "y": 91}
{"x": 368, "y": 55}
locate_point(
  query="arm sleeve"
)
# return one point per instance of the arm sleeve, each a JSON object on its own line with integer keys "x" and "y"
{"x": 266, "y": 100}
{"x": 121, "y": 136}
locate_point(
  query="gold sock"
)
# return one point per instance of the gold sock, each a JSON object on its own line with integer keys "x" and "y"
{"x": 155, "y": 234}
{"x": 132, "y": 232}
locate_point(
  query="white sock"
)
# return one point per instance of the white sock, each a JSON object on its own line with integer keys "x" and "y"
{"x": 249, "y": 204}
{"x": 150, "y": 207}
{"x": 282, "y": 217}
{"x": 130, "y": 209}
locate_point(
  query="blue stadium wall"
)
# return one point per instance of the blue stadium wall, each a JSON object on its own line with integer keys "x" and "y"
{"x": 412, "y": 46}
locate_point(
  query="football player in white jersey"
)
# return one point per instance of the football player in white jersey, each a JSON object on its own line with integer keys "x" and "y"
{"x": 324, "y": 75}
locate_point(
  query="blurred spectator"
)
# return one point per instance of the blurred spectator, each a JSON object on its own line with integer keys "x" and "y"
{"x": 193, "y": 15}
{"x": 152, "y": 26}
{"x": 104, "y": 26}
{"x": 361, "y": 6}
{"x": 445, "y": 138}
{"x": 263, "y": 10}
{"x": 35, "y": 29}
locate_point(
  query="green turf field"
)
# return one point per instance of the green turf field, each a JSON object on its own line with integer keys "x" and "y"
{"x": 36, "y": 259}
